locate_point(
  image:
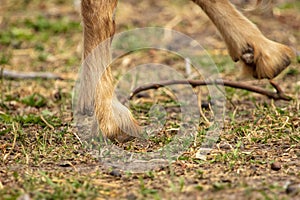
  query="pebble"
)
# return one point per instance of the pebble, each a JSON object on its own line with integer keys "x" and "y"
{"x": 131, "y": 197}
{"x": 115, "y": 173}
{"x": 276, "y": 166}
{"x": 293, "y": 189}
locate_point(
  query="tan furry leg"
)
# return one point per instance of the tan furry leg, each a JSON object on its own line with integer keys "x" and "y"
{"x": 261, "y": 57}
{"x": 97, "y": 87}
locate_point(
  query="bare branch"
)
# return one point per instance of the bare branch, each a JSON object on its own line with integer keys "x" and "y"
{"x": 278, "y": 95}
{"x": 11, "y": 74}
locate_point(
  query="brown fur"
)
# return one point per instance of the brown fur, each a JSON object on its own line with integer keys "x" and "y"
{"x": 261, "y": 58}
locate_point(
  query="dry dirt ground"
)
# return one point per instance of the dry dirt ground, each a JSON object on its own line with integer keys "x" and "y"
{"x": 257, "y": 155}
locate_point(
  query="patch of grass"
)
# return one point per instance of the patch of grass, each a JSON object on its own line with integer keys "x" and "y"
{"x": 292, "y": 71}
{"x": 290, "y": 5}
{"x": 35, "y": 100}
{"x": 43, "y": 120}
{"x": 147, "y": 192}
{"x": 15, "y": 36}
{"x": 4, "y": 57}
{"x": 28, "y": 120}
{"x": 76, "y": 187}
{"x": 42, "y": 23}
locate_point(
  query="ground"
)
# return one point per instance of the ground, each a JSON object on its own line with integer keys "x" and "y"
{"x": 257, "y": 155}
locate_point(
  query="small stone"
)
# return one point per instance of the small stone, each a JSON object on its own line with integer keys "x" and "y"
{"x": 276, "y": 166}
{"x": 131, "y": 197}
{"x": 115, "y": 173}
{"x": 293, "y": 189}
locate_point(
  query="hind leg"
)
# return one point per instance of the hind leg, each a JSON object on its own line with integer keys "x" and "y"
{"x": 261, "y": 57}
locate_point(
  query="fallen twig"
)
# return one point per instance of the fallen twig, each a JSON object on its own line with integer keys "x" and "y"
{"x": 278, "y": 95}
{"x": 11, "y": 74}
{"x": 47, "y": 123}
